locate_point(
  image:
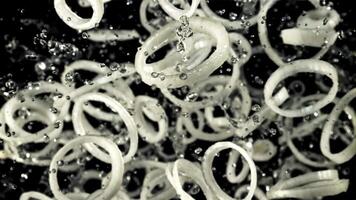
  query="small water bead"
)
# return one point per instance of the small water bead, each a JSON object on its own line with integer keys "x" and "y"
{"x": 24, "y": 176}
{"x": 31, "y": 56}
{"x": 53, "y": 110}
{"x": 162, "y": 76}
{"x": 69, "y": 77}
{"x": 183, "y": 76}
{"x": 114, "y": 66}
{"x": 256, "y": 108}
{"x": 85, "y": 35}
{"x": 60, "y": 163}
{"x": 179, "y": 67}
{"x": 57, "y": 124}
{"x": 195, "y": 189}
{"x": 180, "y": 47}
{"x": 10, "y": 84}
{"x": 191, "y": 97}
{"x": 46, "y": 138}
{"x": 256, "y": 118}
{"x": 40, "y": 66}
{"x": 258, "y": 80}
{"x": 198, "y": 150}
{"x": 273, "y": 131}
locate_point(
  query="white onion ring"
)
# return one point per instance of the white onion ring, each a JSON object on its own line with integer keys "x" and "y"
{"x": 307, "y": 66}
{"x": 263, "y": 35}
{"x": 200, "y": 72}
{"x": 76, "y": 22}
{"x": 208, "y": 174}
{"x": 176, "y": 13}
{"x": 117, "y": 166}
{"x": 80, "y": 127}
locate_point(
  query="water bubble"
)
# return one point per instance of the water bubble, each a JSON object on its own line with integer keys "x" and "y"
{"x": 154, "y": 75}
{"x": 114, "y": 66}
{"x": 198, "y": 150}
{"x": 183, "y": 76}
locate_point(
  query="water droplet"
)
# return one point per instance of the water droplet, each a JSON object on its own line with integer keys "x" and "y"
{"x": 183, "y": 76}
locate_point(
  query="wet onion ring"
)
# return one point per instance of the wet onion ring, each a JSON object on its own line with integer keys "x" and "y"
{"x": 350, "y": 150}
{"x": 117, "y": 166}
{"x": 80, "y": 127}
{"x": 76, "y": 22}
{"x": 208, "y": 174}
{"x": 306, "y": 66}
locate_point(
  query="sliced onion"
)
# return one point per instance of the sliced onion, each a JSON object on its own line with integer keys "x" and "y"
{"x": 306, "y": 66}
{"x": 105, "y": 35}
{"x": 76, "y": 22}
{"x": 208, "y": 174}
{"x": 200, "y": 72}
{"x": 145, "y": 105}
{"x": 81, "y": 125}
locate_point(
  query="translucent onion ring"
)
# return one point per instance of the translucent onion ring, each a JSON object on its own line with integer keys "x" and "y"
{"x": 191, "y": 171}
{"x": 350, "y": 151}
{"x": 10, "y": 107}
{"x": 76, "y": 22}
{"x": 147, "y": 105}
{"x": 310, "y": 185}
{"x": 307, "y": 66}
{"x": 208, "y": 174}
{"x": 231, "y": 168}
{"x": 263, "y": 36}
{"x": 117, "y": 166}
{"x": 80, "y": 127}
{"x": 200, "y": 72}
{"x": 176, "y": 13}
